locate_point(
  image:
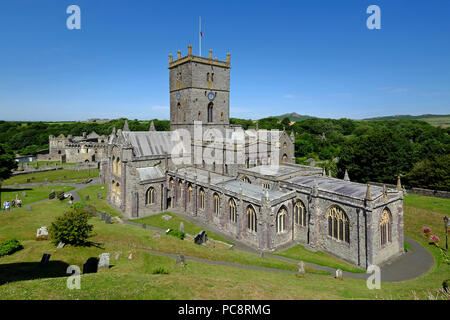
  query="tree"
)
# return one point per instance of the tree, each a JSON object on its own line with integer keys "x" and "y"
{"x": 72, "y": 228}
{"x": 7, "y": 165}
{"x": 286, "y": 122}
{"x": 431, "y": 173}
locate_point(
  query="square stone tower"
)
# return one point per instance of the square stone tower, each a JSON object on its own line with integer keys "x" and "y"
{"x": 199, "y": 91}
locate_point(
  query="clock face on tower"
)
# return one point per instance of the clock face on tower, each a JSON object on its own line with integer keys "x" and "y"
{"x": 211, "y": 96}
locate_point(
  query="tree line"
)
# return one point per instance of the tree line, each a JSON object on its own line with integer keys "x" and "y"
{"x": 375, "y": 151}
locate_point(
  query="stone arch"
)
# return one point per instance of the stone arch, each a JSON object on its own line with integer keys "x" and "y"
{"x": 385, "y": 226}
{"x": 300, "y": 213}
{"x": 216, "y": 203}
{"x": 281, "y": 219}
{"x": 232, "y": 210}
{"x": 150, "y": 196}
{"x": 250, "y": 213}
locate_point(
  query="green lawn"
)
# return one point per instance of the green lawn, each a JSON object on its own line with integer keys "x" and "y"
{"x": 33, "y": 193}
{"x": 134, "y": 279}
{"x": 174, "y": 223}
{"x": 440, "y": 205}
{"x": 100, "y": 204}
{"x": 50, "y": 163}
{"x": 298, "y": 252}
{"x": 53, "y": 176}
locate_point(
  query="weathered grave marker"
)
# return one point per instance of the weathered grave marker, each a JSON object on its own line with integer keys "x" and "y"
{"x": 104, "y": 261}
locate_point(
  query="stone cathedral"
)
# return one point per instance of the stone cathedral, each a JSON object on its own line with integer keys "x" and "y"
{"x": 263, "y": 199}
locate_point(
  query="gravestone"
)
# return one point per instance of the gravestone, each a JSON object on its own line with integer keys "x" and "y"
{"x": 103, "y": 187}
{"x": 91, "y": 265}
{"x": 201, "y": 237}
{"x": 51, "y": 195}
{"x": 99, "y": 196}
{"x": 87, "y": 197}
{"x": 29, "y": 208}
{"x": 131, "y": 256}
{"x": 118, "y": 219}
{"x": 61, "y": 196}
{"x": 117, "y": 255}
{"x": 181, "y": 227}
{"x": 46, "y": 180}
{"x": 339, "y": 274}
{"x": 28, "y": 180}
{"x": 60, "y": 245}
{"x": 157, "y": 235}
{"x": 261, "y": 255}
{"x": 45, "y": 259}
{"x": 180, "y": 259}
{"x": 104, "y": 261}
{"x": 166, "y": 217}
{"x": 102, "y": 216}
{"x": 301, "y": 268}
{"x": 32, "y": 178}
{"x": 24, "y": 194}
{"x": 108, "y": 219}
{"x": 42, "y": 233}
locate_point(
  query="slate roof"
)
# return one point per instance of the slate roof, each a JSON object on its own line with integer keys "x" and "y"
{"x": 151, "y": 143}
{"x": 346, "y": 188}
{"x": 150, "y": 173}
{"x": 253, "y": 191}
{"x": 202, "y": 175}
{"x": 276, "y": 171}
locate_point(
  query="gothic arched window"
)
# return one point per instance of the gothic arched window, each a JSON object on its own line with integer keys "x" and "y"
{"x": 202, "y": 199}
{"x": 190, "y": 193}
{"x": 281, "y": 219}
{"x": 284, "y": 158}
{"x": 216, "y": 203}
{"x": 300, "y": 213}
{"x": 210, "y": 112}
{"x": 385, "y": 227}
{"x": 251, "y": 219}
{"x": 150, "y": 196}
{"x": 232, "y": 206}
{"x": 338, "y": 224}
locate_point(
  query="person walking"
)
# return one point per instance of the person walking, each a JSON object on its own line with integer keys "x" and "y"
{"x": 7, "y": 205}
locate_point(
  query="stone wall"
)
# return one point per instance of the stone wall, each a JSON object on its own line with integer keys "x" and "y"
{"x": 420, "y": 191}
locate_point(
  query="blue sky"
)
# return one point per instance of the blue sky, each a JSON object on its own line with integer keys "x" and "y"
{"x": 311, "y": 57}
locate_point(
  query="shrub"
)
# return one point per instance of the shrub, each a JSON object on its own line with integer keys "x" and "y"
{"x": 9, "y": 247}
{"x": 176, "y": 233}
{"x": 71, "y": 228}
{"x": 160, "y": 270}
{"x": 426, "y": 230}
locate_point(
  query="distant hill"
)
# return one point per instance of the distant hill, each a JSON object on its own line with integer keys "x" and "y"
{"x": 433, "y": 119}
{"x": 293, "y": 116}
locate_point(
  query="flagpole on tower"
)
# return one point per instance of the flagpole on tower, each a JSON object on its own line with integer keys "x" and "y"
{"x": 200, "y": 36}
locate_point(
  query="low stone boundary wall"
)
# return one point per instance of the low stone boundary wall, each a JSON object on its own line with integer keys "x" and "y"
{"x": 77, "y": 167}
{"x": 419, "y": 191}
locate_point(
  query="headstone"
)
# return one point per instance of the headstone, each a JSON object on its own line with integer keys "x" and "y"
{"x": 102, "y": 216}
{"x": 168, "y": 230}
{"x": 261, "y": 255}
{"x": 87, "y": 197}
{"x": 99, "y": 196}
{"x": 339, "y": 274}
{"x": 46, "y": 180}
{"x": 70, "y": 202}
{"x": 51, "y": 195}
{"x": 131, "y": 256}
{"x": 108, "y": 219}
{"x": 166, "y": 217}
{"x": 118, "y": 219}
{"x": 181, "y": 226}
{"x": 29, "y": 208}
{"x": 61, "y": 196}
{"x": 104, "y": 261}
{"x": 60, "y": 245}
{"x": 28, "y": 180}
{"x": 117, "y": 255}
{"x": 45, "y": 259}
{"x": 91, "y": 265}
{"x": 103, "y": 187}
{"x": 157, "y": 235}
{"x": 301, "y": 268}
{"x": 180, "y": 259}
{"x": 201, "y": 237}
{"x": 24, "y": 194}
{"x": 42, "y": 233}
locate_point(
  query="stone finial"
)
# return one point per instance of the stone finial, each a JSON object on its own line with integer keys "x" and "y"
{"x": 399, "y": 184}
{"x": 152, "y": 126}
{"x": 315, "y": 188}
{"x": 368, "y": 195}
{"x": 210, "y": 54}
{"x": 125, "y": 126}
{"x": 189, "y": 50}
{"x": 292, "y": 136}
{"x": 228, "y": 58}
{"x": 346, "y": 177}
{"x": 178, "y": 54}
{"x": 170, "y": 58}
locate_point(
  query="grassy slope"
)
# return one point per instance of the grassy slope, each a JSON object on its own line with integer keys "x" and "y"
{"x": 33, "y": 193}
{"x": 133, "y": 279}
{"x": 53, "y": 176}
{"x": 101, "y": 205}
{"x": 174, "y": 223}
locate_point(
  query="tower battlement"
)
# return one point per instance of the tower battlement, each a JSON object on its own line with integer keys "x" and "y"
{"x": 193, "y": 58}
